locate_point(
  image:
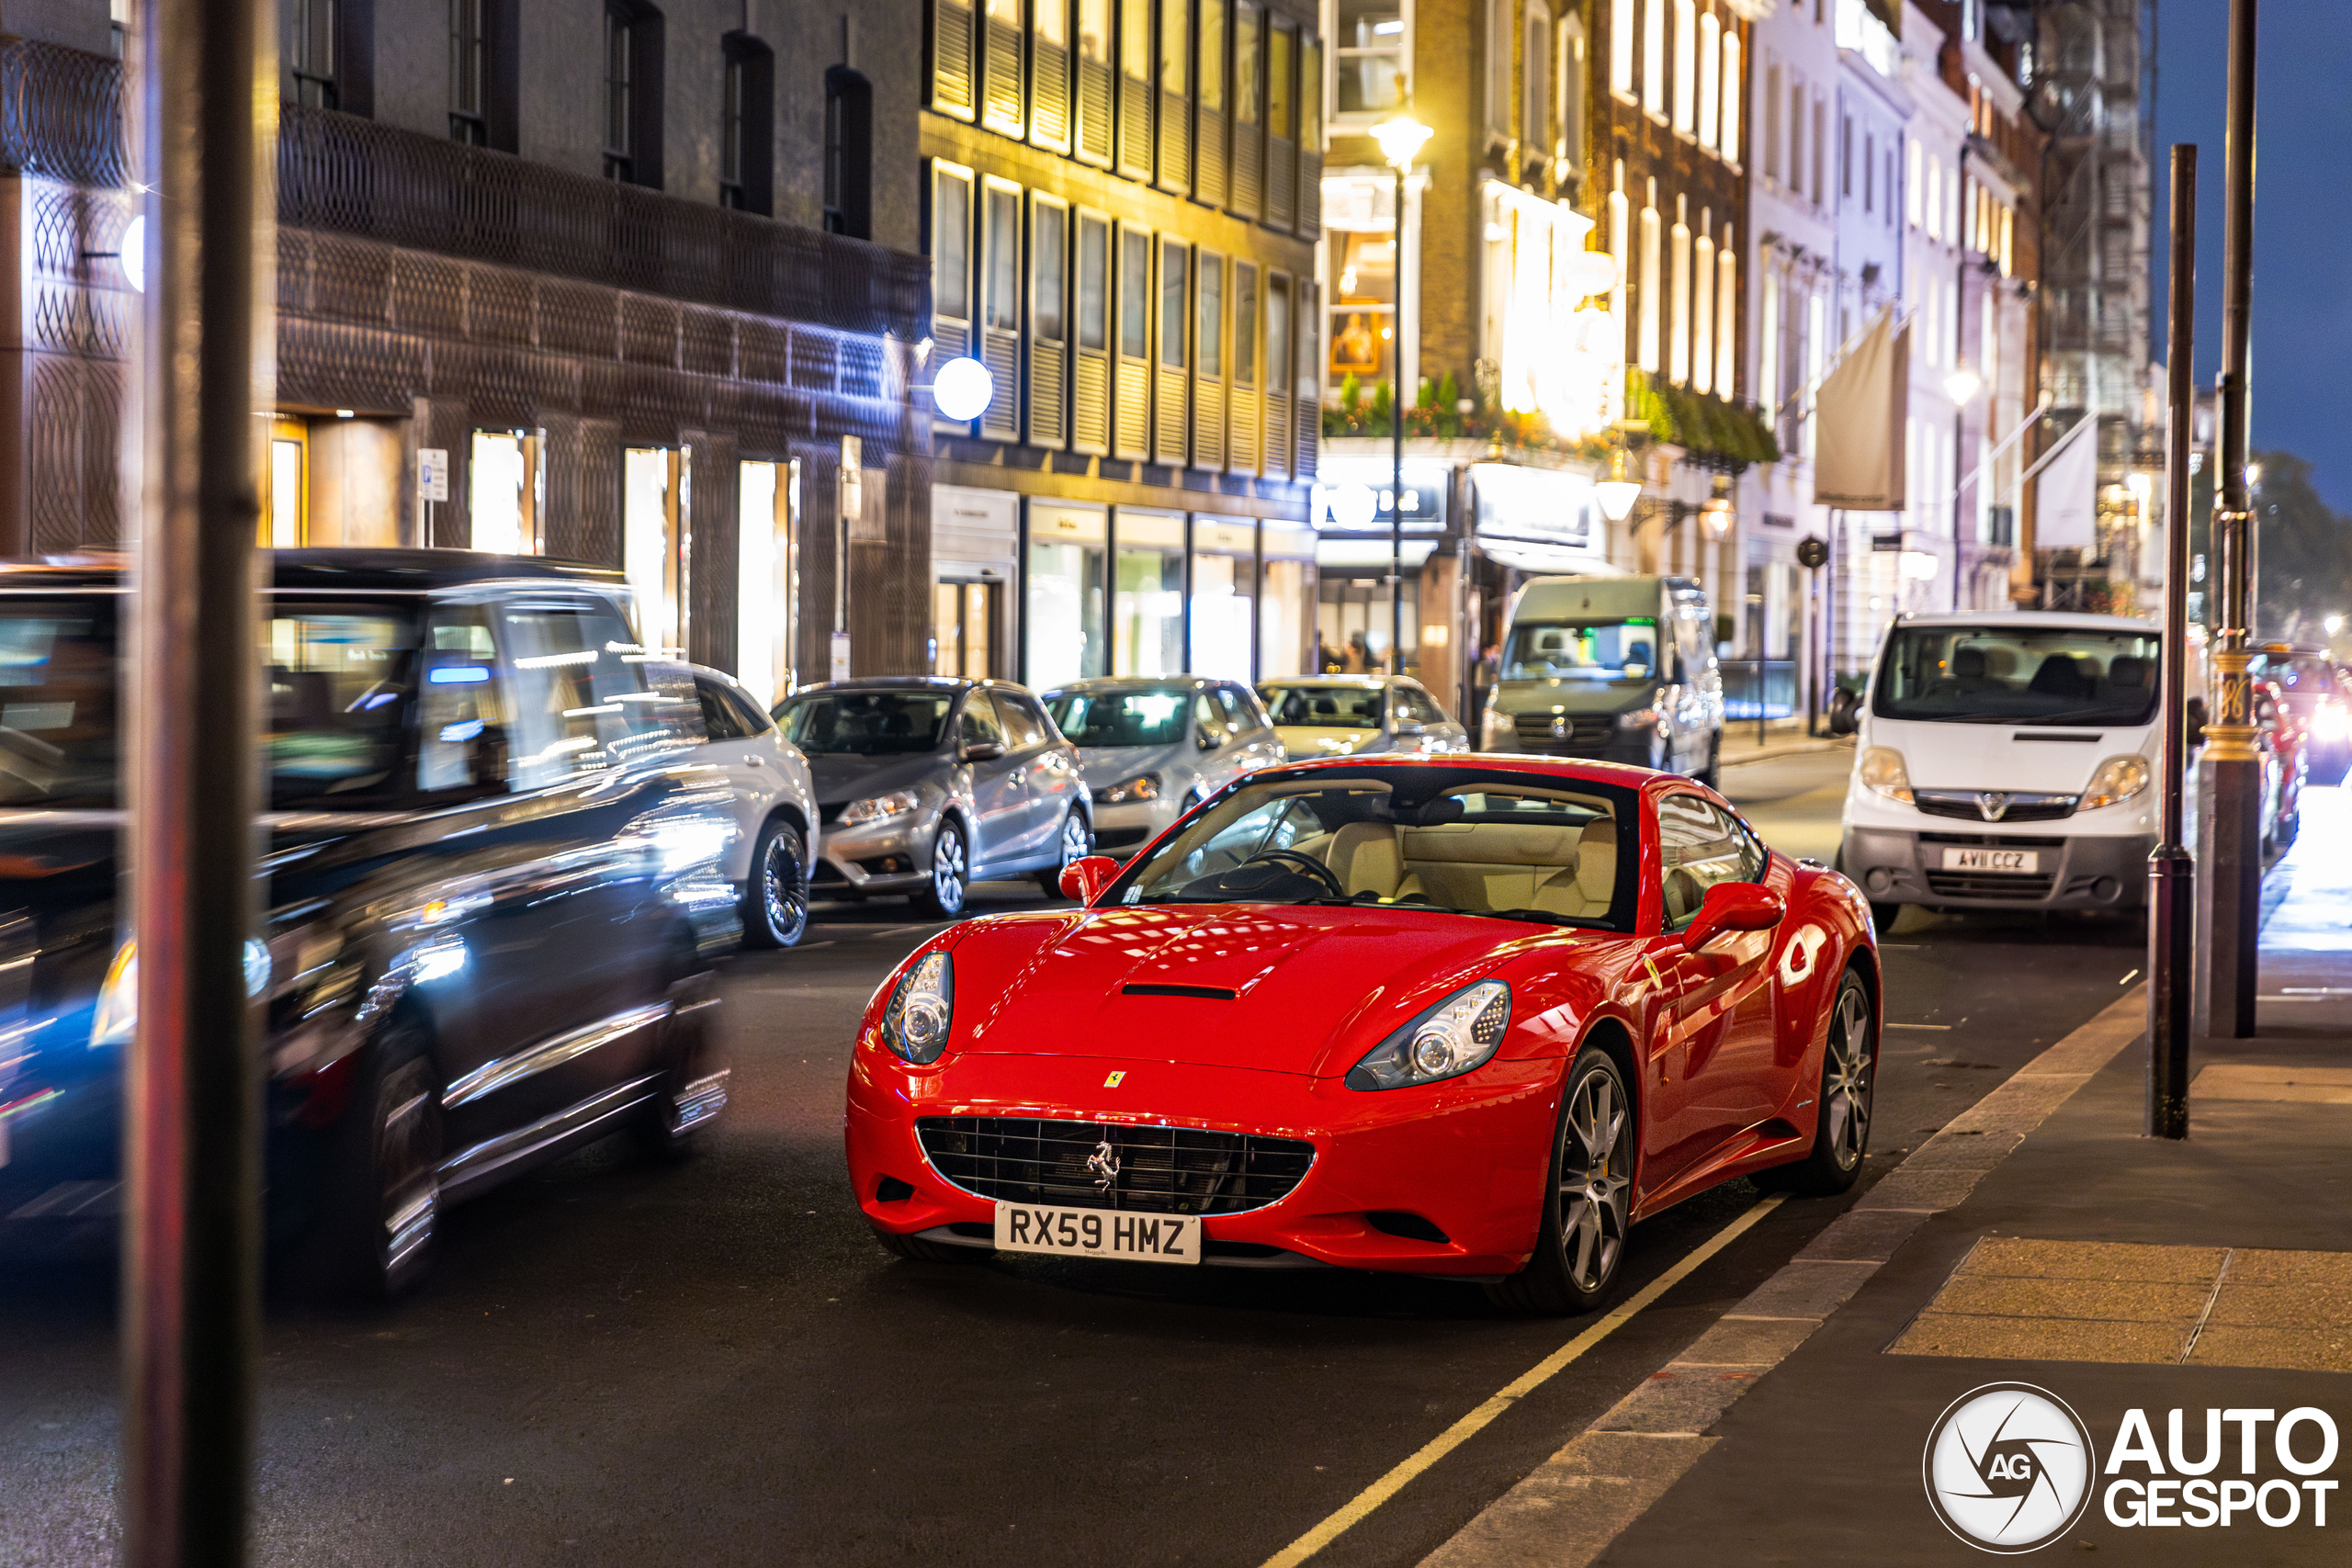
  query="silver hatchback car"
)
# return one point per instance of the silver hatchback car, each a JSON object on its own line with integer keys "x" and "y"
{"x": 1154, "y": 747}
{"x": 926, "y": 784}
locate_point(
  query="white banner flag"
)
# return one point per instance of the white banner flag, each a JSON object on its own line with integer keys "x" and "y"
{"x": 2065, "y": 515}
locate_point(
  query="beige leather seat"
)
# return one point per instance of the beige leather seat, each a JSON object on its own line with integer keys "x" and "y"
{"x": 1587, "y": 888}
{"x": 1365, "y": 857}
{"x": 1487, "y": 866}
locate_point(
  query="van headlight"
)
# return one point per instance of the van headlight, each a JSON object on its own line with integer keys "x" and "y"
{"x": 2116, "y": 781}
{"x": 1447, "y": 1040}
{"x": 915, "y": 1024}
{"x": 1883, "y": 772}
{"x": 1640, "y": 719}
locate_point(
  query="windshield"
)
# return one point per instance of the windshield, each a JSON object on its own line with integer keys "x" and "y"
{"x": 1325, "y": 707}
{"x": 866, "y": 724}
{"x": 1152, "y": 715}
{"x": 1586, "y": 650}
{"x": 1471, "y": 840}
{"x": 2300, "y": 675}
{"x": 2024, "y": 674}
{"x": 58, "y": 705}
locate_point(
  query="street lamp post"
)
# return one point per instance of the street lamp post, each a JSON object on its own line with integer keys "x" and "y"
{"x": 1401, "y": 137}
{"x": 2234, "y": 874}
{"x": 2172, "y": 910}
{"x": 1962, "y": 386}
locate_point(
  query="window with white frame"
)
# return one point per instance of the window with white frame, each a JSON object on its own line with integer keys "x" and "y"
{"x": 1371, "y": 43}
{"x": 1772, "y": 120}
{"x": 1654, "y": 57}
{"x": 1729, "y": 142}
{"x": 1621, "y": 48}
{"x": 1535, "y": 89}
{"x": 1569, "y": 147}
{"x": 1686, "y": 66}
{"x": 1647, "y": 337}
{"x": 1677, "y": 362}
{"x": 1499, "y": 50}
{"x": 1935, "y": 196}
{"x": 1711, "y": 65}
{"x": 1915, "y": 166}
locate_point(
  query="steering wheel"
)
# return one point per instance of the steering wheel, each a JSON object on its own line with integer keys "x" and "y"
{"x": 1307, "y": 863}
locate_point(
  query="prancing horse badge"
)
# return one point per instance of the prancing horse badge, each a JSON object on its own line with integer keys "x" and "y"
{"x": 1113, "y": 1081}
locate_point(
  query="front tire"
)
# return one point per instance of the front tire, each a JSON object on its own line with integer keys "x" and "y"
{"x": 1883, "y": 917}
{"x": 951, "y": 871}
{"x": 775, "y": 895}
{"x": 379, "y": 1227}
{"x": 1588, "y": 1204}
{"x": 695, "y": 1080}
{"x": 1841, "y": 1135}
{"x": 1074, "y": 845}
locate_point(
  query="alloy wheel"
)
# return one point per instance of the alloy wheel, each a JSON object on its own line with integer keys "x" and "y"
{"x": 784, "y": 891}
{"x": 947, "y": 870}
{"x": 1846, "y": 1091}
{"x": 1595, "y": 1182}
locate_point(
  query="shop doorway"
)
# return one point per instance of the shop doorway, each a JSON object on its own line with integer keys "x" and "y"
{"x": 963, "y": 629}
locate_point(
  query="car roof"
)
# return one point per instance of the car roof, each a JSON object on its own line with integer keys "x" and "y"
{"x": 2049, "y": 620}
{"x": 379, "y": 570}
{"x": 1127, "y": 683}
{"x": 1359, "y": 682}
{"x": 942, "y": 684}
{"x": 1623, "y": 775}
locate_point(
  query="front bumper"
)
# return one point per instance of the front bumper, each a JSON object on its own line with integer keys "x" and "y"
{"x": 1120, "y": 830}
{"x": 878, "y": 858}
{"x": 1468, "y": 1156}
{"x": 1905, "y": 866}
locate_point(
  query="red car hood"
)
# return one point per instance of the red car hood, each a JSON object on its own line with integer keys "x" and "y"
{"x": 1305, "y": 979}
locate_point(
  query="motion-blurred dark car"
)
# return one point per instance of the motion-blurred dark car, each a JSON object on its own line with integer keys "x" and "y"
{"x": 928, "y": 783}
{"x": 2311, "y": 702}
{"x": 492, "y": 893}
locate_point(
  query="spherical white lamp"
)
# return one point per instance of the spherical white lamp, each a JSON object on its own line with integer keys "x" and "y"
{"x": 1353, "y": 506}
{"x": 962, "y": 388}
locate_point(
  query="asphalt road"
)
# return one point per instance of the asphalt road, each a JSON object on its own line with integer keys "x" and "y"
{"x": 716, "y": 1364}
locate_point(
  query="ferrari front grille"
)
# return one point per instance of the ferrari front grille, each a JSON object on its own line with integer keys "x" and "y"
{"x": 1108, "y": 1165}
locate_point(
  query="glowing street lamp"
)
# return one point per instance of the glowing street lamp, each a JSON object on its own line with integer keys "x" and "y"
{"x": 1963, "y": 385}
{"x": 1401, "y": 137}
{"x": 1617, "y": 493}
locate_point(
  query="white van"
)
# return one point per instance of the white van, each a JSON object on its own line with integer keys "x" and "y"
{"x": 2005, "y": 761}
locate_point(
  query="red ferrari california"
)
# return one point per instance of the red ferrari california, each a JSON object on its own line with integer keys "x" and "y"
{"x": 1463, "y": 1016}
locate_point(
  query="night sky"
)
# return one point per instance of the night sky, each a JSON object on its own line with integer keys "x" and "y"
{"x": 2302, "y": 214}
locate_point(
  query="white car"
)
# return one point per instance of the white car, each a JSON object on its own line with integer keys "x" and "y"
{"x": 776, "y": 810}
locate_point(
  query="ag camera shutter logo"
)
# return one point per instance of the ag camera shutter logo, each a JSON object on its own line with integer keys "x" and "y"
{"x": 2009, "y": 1467}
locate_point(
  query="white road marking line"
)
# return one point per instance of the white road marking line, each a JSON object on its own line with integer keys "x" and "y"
{"x": 1944, "y": 1026}
{"x": 1462, "y": 1431}
{"x": 2129, "y": 978}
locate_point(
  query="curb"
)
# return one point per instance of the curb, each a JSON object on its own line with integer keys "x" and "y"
{"x": 1582, "y": 1498}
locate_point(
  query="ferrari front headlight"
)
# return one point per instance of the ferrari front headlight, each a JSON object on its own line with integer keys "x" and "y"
{"x": 2116, "y": 781}
{"x": 1884, "y": 773}
{"x": 1447, "y": 1040}
{"x": 915, "y": 1024}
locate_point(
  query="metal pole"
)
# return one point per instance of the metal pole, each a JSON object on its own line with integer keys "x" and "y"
{"x": 191, "y": 1299}
{"x": 2231, "y": 765}
{"x": 1397, "y": 443}
{"x": 2172, "y": 870}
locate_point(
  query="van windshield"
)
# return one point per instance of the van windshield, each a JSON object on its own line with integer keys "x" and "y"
{"x": 2025, "y": 674}
{"x": 1587, "y": 650}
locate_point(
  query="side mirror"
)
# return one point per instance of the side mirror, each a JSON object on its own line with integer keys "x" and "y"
{"x": 1732, "y": 907}
{"x": 1843, "y": 707}
{"x": 1084, "y": 879}
{"x": 983, "y": 751}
